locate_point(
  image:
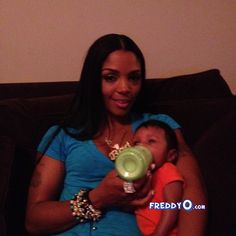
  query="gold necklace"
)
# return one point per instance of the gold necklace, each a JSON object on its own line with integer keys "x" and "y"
{"x": 116, "y": 148}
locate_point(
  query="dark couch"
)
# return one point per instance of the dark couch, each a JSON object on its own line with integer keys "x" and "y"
{"x": 202, "y": 103}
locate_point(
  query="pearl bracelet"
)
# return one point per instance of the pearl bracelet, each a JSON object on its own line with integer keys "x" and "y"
{"x": 82, "y": 209}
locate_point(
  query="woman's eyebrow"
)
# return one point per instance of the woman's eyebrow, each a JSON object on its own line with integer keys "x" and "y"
{"x": 109, "y": 69}
{"x": 135, "y": 71}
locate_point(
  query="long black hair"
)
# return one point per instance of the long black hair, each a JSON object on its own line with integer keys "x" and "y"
{"x": 87, "y": 111}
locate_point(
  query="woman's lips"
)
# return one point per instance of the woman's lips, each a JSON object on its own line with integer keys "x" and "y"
{"x": 122, "y": 103}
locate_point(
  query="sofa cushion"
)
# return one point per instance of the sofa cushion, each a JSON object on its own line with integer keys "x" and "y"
{"x": 26, "y": 120}
{"x": 206, "y": 84}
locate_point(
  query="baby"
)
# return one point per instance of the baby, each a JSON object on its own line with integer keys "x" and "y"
{"x": 160, "y": 139}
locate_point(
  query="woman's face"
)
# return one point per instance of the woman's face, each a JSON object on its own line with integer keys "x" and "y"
{"x": 121, "y": 82}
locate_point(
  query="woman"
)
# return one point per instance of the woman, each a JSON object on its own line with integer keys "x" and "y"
{"x": 76, "y": 154}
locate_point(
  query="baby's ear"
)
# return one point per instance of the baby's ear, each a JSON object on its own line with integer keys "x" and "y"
{"x": 172, "y": 155}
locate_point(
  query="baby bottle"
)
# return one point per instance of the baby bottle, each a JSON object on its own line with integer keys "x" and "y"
{"x": 132, "y": 163}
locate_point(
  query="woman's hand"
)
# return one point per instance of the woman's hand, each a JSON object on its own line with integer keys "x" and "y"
{"x": 110, "y": 192}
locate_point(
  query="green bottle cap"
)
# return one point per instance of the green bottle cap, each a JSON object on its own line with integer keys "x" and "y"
{"x": 132, "y": 163}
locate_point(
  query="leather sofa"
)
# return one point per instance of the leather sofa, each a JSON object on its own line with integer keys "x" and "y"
{"x": 202, "y": 103}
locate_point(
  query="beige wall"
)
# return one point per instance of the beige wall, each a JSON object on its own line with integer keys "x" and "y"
{"x": 46, "y": 40}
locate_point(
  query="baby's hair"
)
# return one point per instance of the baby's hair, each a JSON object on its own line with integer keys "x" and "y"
{"x": 170, "y": 136}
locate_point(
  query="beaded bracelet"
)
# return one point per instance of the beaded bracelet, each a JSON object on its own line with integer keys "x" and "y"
{"x": 82, "y": 209}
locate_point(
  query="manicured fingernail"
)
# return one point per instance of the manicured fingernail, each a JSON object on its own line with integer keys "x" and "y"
{"x": 153, "y": 166}
{"x": 149, "y": 173}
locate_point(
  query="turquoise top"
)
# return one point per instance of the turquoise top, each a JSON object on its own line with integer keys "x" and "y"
{"x": 85, "y": 167}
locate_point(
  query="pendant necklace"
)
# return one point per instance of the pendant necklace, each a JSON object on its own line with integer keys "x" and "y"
{"x": 116, "y": 148}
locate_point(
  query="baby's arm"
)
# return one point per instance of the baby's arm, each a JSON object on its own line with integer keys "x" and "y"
{"x": 172, "y": 193}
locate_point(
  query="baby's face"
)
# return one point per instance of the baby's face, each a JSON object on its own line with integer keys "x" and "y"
{"x": 154, "y": 139}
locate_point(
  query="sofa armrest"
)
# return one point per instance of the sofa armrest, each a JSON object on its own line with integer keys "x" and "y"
{"x": 7, "y": 149}
{"x": 215, "y": 152}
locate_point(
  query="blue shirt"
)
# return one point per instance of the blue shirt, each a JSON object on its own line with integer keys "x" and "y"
{"x": 85, "y": 167}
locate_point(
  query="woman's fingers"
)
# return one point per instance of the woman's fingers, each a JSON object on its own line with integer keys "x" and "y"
{"x": 143, "y": 186}
{"x": 110, "y": 192}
